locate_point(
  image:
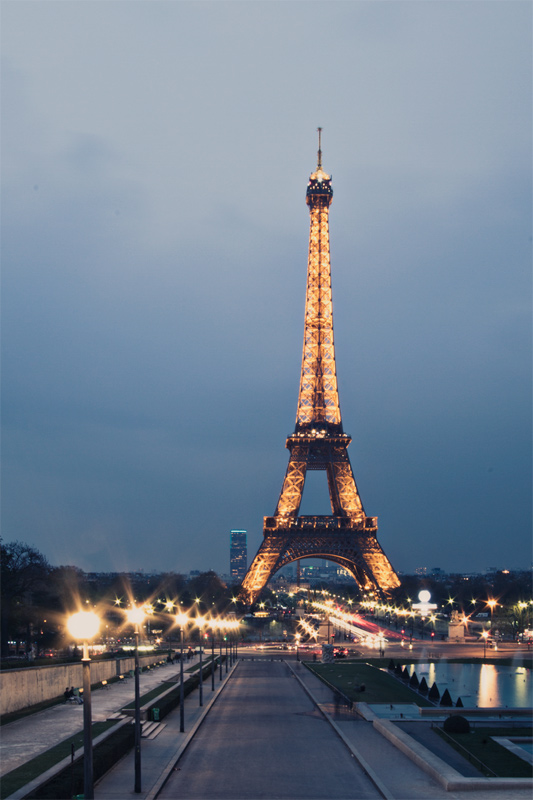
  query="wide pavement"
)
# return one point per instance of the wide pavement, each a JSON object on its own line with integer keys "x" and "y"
{"x": 263, "y": 735}
{"x": 267, "y": 739}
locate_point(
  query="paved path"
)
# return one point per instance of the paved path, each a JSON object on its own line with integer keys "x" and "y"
{"x": 266, "y": 739}
{"x": 242, "y": 720}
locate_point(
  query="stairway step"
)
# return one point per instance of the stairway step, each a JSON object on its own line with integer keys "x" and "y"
{"x": 154, "y": 730}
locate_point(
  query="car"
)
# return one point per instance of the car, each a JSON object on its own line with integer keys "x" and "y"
{"x": 340, "y": 652}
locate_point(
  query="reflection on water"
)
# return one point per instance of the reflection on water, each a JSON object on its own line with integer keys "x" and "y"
{"x": 483, "y": 685}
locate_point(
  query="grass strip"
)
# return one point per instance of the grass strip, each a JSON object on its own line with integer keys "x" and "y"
{"x": 163, "y": 687}
{"x": 22, "y": 775}
{"x": 479, "y": 744}
{"x": 151, "y": 695}
{"x": 380, "y": 687}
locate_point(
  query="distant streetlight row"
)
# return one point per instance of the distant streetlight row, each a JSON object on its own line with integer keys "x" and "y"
{"x": 84, "y": 625}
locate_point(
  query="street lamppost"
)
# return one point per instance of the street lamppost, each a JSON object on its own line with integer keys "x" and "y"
{"x": 83, "y": 626}
{"x": 297, "y": 637}
{"x": 135, "y": 617}
{"x": 485, "y": 635}
{"x": 181, "y": 620}
{"x": 237, "y": 623}
{"x": 213, "y": 625}
{"x": 491, "y": 603}
{"x": 201, "y": 622}
{"x": 226, "y": 638}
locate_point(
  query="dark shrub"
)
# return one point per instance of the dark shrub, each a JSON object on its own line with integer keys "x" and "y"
{"x": 398, "y": 670}
{"x": 434, "y": 693}
{"x": 405, "y": 674}
{"x": 413, "y": 682}
{"x": 423, "y": 688}
{"x": 106, "y": 755}
{"x": 446, "y": 699}
{"x": 456, "y": 724}
{"x": 459, "y": 703}
{"x": 391, "y": 666}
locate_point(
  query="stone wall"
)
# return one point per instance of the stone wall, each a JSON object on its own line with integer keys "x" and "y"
{"x": 20, "y": 688}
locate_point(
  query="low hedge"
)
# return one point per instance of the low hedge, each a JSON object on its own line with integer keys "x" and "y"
{"x": 69, "y": 782}
{"x": 171, "y": 700}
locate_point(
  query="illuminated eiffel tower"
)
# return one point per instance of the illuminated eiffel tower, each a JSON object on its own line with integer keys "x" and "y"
{"x": 347, "y": 537}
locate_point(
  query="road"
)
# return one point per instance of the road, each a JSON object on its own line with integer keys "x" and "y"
{"x": 265, "y": 740}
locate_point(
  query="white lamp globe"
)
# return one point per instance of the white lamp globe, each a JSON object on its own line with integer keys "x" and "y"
{"x": 135, "y": 615}
{"x": 83, "y": 625}
{"x": 424, "y": 596}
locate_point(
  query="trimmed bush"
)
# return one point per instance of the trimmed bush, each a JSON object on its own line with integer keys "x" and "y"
{"x": 434, "y": 693}
{"x": 456, "y": 724}
{"x": 405, "y": 675}
{"x": 391, "y": 666}
{"x": 398, "y": 670}
{"x": 413, "y": 682}
{"x": 446, "y": 699}
{"x": 423, "y": 687}
{"x": 459, "y": 703}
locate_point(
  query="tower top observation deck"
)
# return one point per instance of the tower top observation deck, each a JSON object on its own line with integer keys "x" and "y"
{"x": 319, "y": 189}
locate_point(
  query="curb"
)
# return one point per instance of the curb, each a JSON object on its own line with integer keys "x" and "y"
{"x": 365, "y": 766}
{"x": 437, "y": 769}
{"x": 184, "y": 743}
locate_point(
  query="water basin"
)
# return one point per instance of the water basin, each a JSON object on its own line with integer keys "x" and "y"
{"x": 482, "y": 685}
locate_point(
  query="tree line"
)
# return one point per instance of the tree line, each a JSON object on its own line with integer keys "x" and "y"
{"x": 36, "y": 597}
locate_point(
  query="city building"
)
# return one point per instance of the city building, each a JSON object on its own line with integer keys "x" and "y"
{"x": 238, "y": 557}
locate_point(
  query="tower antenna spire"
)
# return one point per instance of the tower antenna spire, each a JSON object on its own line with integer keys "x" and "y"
{"x": 319, "y": 148}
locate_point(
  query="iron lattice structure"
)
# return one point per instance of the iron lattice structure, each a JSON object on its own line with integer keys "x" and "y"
{"x": 347, "y": 536}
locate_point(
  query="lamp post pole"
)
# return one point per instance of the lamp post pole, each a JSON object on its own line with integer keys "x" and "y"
{"x": 83, "y": 626}
{"x": 181, "y": 620}
{"x": 137, "y": 716}
{"x": 213, "y": 665}
{"x": 135, "y": 616}
{"x": 485, "y": 636}
{"x": 87, "y": 725}
{"x": 201, "y": 622}
{"x": 182, "y": 693}
{"x": 201, "y": 685}
{"x": 220, "y": 645}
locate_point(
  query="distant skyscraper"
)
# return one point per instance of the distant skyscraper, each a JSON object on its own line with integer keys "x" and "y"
{"x": 238, "y": 555}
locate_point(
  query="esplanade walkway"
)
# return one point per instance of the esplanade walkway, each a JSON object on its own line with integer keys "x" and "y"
{"x": 271, "y": 730}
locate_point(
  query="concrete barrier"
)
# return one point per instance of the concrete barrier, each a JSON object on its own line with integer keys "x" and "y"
{"x": 20, "y": 688}
{"x": 447, "y": 776}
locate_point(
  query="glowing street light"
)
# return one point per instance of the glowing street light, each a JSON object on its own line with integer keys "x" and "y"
{"x": 181, "y": 620}
{"x": 135, "y": 616}
{"x": 83, "y": 626}
{"x": 491, "y": 604}
{"x": 485, "y": 635}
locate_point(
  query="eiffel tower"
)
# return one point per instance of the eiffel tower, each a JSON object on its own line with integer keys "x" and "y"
{"x": 347, "y": 537}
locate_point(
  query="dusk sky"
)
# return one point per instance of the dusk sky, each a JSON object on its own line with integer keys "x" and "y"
{"x": 155, "y": 158}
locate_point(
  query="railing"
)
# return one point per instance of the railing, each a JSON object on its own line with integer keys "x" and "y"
{"x": 464, "y": 752}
